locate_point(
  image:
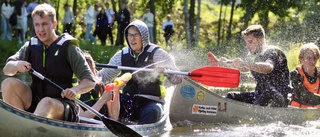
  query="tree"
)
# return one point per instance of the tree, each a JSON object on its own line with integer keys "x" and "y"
{"x": 191, "y": 21}
{"x": 198, "y": 22}
{"x": 187, "y": 24}
{"x": 233, "y": 3}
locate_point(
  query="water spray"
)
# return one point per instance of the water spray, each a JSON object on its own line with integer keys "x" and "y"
{"x": 119, "y": 81}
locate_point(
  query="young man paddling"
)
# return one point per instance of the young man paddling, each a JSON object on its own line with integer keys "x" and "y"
{"x": 142, "y": 99}
{"x": 267, "y": 64}
{"x": 57, "y": 58}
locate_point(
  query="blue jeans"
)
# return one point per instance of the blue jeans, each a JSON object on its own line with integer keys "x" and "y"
{"x": 88, "y": 34}
{"x": 6, "y": 29}
{"x": 151, "y": 34}
{"x": 150, "y": 113}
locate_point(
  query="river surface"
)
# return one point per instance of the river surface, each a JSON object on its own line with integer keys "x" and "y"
{"x": 189, "y": 129}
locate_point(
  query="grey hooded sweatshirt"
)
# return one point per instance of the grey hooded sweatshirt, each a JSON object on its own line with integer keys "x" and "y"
{"x": 160, "y": 55}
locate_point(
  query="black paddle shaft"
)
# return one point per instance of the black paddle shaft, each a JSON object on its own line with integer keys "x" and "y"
{"x": 115, "y": 127}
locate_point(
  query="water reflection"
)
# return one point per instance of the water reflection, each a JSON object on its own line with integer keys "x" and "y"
{"x": 277, "y": 129}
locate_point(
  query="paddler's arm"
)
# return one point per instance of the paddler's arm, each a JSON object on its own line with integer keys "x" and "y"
{"x": 16, "y": 63}
{"x": 82, "y": 70}
{"x": 245, "y": 66}
{"x": 167, "y": 63}
{"x": 114, "y": 105}
{"x": 13, "y": 67}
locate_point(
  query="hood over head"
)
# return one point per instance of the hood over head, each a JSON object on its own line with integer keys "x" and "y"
{"x": 143, "y": 29}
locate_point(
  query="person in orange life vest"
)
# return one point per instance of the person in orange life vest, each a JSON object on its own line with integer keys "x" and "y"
{"x": 305, "y": 78}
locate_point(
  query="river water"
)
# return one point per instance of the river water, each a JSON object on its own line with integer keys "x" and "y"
{"x": 190, "y": 129}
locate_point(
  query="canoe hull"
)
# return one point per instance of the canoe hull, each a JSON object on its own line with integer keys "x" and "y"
{"x": 17, "y": 123}
{"x": 193, "y": 102}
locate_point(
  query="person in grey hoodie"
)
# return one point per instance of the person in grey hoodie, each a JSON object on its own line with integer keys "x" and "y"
{"x": 142, "y": 98}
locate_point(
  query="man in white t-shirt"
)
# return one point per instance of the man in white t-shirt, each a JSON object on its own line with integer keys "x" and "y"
{"x": 111, "y": 17}
{"x": 168, "y": 27}
{"x": 148, "y": 18}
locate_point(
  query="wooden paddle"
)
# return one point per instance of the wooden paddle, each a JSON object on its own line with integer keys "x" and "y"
{"x": 210, "y": 76}
{"x": 115, "y": 127}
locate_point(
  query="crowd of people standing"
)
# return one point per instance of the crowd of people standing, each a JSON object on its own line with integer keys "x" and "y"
{"x": 99, "y": 21}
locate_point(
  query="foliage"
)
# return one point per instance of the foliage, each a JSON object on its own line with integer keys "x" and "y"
{"x": 100, "y": 54}
{"x": 8, "y": 48}
{"x": 286, "y": 18}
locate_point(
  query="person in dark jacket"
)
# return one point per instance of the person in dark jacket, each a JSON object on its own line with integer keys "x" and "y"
{"x": 102, "y": 26}
{"x": 124, "y": 21}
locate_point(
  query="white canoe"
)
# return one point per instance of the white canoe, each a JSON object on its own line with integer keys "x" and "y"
{"x": 18, "y": 123}
{"x": 195, "y": 103}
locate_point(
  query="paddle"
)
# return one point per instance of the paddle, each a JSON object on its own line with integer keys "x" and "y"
{"x": 210, "y": 76}
{"x": 115, "y": 127}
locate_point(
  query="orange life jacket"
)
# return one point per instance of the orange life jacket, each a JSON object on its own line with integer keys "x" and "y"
{"x": 314, "y": 88}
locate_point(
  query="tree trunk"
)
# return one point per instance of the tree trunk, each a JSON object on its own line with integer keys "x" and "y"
{"x": 230, "y": 21}
{"x": 198, "y": 23}
{"x": 191, "y": 20}
{"x": 74, "y": 10}
{"x": 248, "y": 14}
{"x": 57, "y": 15}
{"x": 118, "y": 25}
{"x": 153, "y": 10}
{"x": 264, "y": 19}
{"x": 219, "y": 25}
{"x": 187, "y": 25}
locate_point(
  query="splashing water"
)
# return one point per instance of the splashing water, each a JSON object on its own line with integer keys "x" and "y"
{"x": 141, "y": 69}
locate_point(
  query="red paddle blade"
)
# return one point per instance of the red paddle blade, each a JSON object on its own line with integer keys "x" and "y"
{"x": 216, "y": 76}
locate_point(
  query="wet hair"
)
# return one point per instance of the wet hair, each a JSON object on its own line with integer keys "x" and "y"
{"x": 45, "y": 10}
{"x": 309, "y": 47}
{"x": 256, "y": 30}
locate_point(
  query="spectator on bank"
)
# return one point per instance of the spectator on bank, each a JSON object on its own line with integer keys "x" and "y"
{"x": 124, "y": 21}
{"x": 30, "y": 8}
{"x": 89, "y": 19}
{"x": 168, "y": 27}
{"x": 22, "y": 14}
{"x": 102, "y": 26}
{"x": 111, "y": 18}
{"x": 68, "y": 19}
{"x": 6, "y": 11}
{"x": 148, "y": 18}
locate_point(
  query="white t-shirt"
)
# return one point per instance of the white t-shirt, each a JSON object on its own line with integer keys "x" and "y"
{"x": 166, "y": 23}
{"x": 148, "y": 19}
{"x": 109, "y": 13}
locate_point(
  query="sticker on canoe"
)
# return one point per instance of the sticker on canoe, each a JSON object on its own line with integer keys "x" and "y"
{"x": 204, "y": 109}
{"x": 187, "y": 92}
{"x": 201, "y": 95}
